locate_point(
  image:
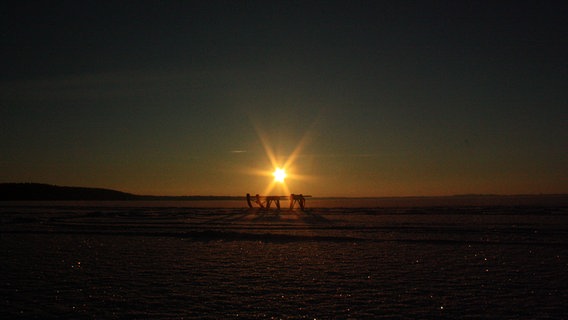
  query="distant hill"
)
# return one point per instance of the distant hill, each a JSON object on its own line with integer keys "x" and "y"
{"x": 38, "y": 191}
{"x": 47, "y": 192}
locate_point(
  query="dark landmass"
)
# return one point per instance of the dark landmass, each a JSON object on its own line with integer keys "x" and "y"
{"x": 47, "y": 192}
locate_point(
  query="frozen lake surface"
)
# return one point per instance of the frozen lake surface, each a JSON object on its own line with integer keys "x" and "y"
{"x": 72, "y": 260}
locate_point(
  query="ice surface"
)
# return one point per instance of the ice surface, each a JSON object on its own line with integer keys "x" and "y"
{"x": 89, "y": 261}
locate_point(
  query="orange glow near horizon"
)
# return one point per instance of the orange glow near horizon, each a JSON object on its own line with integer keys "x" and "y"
{"x": 281, "y": 170}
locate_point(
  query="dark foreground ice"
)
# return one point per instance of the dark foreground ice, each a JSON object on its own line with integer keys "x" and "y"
{"x": 69, "y": 261}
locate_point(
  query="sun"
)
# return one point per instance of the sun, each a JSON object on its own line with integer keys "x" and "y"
{"x": 279, "y": 175}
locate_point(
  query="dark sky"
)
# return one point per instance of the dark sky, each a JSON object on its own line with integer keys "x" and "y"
{"x": 356, "y": 98}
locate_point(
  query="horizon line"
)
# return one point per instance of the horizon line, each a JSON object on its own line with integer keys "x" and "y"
{"x": 313, "y": 196}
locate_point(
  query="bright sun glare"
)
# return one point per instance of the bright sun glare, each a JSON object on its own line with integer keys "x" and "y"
{"x": 279, "y": 175}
